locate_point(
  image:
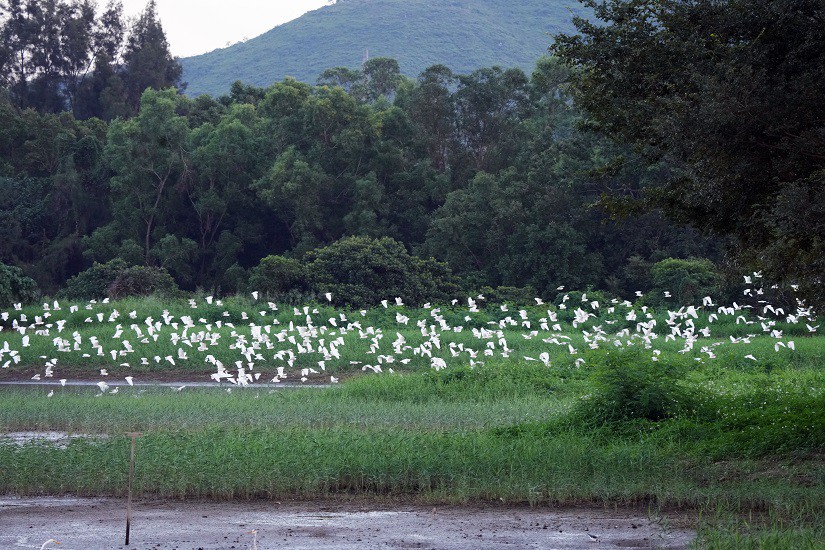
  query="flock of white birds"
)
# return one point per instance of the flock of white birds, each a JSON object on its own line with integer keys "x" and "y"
{"x": 305, "y": 347}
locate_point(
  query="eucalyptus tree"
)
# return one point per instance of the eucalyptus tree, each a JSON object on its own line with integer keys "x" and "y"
{"x": 149, "y": 157}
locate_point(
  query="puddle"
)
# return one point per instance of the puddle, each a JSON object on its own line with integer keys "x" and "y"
{"x": 60, "y": 440}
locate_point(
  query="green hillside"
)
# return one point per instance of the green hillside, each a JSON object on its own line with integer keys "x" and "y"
{"x": 462, "y": 34}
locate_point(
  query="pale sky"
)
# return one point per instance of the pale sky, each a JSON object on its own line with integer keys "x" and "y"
{"x": 198, "y": 26}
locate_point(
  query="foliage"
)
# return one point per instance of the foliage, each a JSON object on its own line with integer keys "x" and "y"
{"x": 146, "y": 155}
{"x": 235, "y": 280}
{"x": 360, "y": 271}
{"x": 149, "y": 64}
{"x": 729, "y": 93}
{"x": 630, "y": 387}
{"x": 142, "y": 281}
{"x": 15, "y": 287}
{"x": 684, "y": 281}
{"x": 65, "y": 55}
{"x": 275, "y": 276}
{"x": 485, "y": 171}
{"x": 378, "y": 77}
{"x": 93, "y": 283}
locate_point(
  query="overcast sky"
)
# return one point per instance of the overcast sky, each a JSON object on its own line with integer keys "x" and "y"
{"x": 199, "y": 26}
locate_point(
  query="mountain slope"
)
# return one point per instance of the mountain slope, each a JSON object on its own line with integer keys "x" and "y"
{"x": 462, "y": 34}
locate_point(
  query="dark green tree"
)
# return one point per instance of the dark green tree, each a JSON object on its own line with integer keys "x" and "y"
{"x": 382, "y": 76}
{"x": 275, "y": 277}
{"x": 15, "y": 286}
{"x": 149, "y": 157}
{"x": 683, "y": 282}
{"x": 51, "y": 48}
{"x": 490, "y": 103}
{"x": 360, "y": 272}
{"x": 148, "y": 62}
{"x": 226, "y": 158}
{"x": 431, "y": 106}
{"x": 351, "y": 80}
{"x": 730, "y": 94}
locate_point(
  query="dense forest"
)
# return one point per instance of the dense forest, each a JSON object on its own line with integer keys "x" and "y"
{"x": 493, "y": 178}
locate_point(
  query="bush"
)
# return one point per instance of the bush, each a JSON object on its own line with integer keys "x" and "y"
{"x": 235, "y": 280}
{"x": 142, "y": 281}
{"x": 687, "y": 281}
{"x": 629, "y": 386}
{"x": 15, "y": 287}
{"x": 93, "y": 283}
{"x": 360, "y": 272}
{"x": 275, "y": 276}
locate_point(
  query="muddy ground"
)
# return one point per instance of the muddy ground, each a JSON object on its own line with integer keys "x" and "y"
{"x": 92, "y": 524}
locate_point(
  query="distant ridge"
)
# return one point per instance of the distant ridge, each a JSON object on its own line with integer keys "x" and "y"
{"x": 462, "y": 34}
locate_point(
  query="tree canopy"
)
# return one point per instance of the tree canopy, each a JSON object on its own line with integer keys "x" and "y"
{"x": 367, "y": 182}
{"x": 730, "y": 95}
{"x": 68, "y": 55}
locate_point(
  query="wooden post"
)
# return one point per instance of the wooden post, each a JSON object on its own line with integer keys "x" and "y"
{"x": 134, "y": 436}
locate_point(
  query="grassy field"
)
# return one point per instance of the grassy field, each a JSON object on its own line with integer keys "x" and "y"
{"x": 627, "y": 416}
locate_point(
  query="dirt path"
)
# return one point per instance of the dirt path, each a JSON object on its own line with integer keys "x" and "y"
{"x": 97, "y": 524}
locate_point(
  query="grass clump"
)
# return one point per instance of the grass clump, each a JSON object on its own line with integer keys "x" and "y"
{"x": 723, "y": 530}
{"x": 627, "y": 386}
{"x": 495, "y": 381}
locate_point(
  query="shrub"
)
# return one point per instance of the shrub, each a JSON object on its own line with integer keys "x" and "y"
{"x": 15, "y": 286}
{"x": 235, "y": 280}
{"x": 93, "y": 283}
{"x": 360, "y": 272}
{"x": 141, "y": 281}
{"x": 629, "y": 386}
{"x": 275, "y": 276}
{"x": 687, "y": 281}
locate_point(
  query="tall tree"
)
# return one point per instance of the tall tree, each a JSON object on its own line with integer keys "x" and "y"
{"x": 148, "y": 61}
{"x": 432, "y": 108}
{"x": 382, "y": 76}
{"x": 490, "y": 102}
{"x": 730, "y": 92}
{"x": 226, "y": 159}
{"x": 149, "y": 157}
{"x": 50, "y": 47}
{"x": 77, "y": 30}
{"x": 99, "y": 90}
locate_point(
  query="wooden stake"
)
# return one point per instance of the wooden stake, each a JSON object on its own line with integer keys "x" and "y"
{"x": 134, "y": 436}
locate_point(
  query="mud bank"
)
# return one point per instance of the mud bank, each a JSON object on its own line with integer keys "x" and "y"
{"x": 84, "y": 524}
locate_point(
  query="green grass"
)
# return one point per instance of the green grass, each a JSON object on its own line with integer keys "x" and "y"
{"x": 475, "y": 431}
{"x": 155, "y": 410}
{"x": 454, "y": 325}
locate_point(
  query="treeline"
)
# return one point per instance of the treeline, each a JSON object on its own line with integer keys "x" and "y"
{"x": 492, "y": 173}
{"x": 69, "y": 56}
